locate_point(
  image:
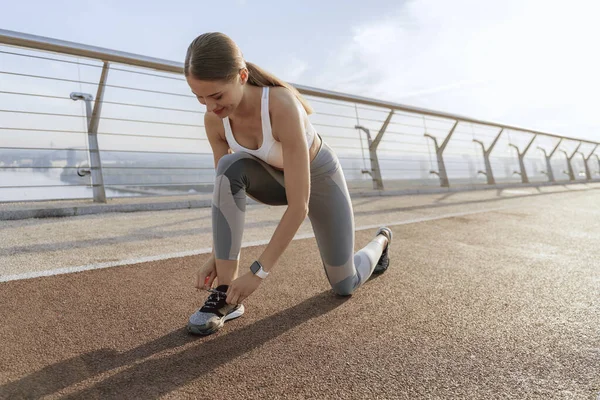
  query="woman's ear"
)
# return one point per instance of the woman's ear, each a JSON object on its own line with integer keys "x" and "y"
{"x": 244, "y": 75}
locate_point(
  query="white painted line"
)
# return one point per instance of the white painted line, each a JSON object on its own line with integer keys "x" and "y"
{"x": 516, "y": 192}
{"x": 70, "y": 270}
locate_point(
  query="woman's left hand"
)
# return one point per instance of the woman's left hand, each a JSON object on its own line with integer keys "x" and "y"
{"x": 242, "y": 287}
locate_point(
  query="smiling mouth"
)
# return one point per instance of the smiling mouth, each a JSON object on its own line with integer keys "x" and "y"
{"x": 219, "y": 111}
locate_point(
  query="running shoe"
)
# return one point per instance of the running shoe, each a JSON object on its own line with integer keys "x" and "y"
{"x": 384, "y": 260}
{"x": 211, "y": 317}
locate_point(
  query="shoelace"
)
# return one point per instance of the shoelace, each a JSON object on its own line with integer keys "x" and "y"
{"x": 214, "y": 299}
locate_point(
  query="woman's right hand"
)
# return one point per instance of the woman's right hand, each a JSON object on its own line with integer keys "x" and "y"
{"x": 206, "y": 274}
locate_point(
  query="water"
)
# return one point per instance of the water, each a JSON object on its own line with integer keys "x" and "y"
{"x": 60, "y": 189}
{"x": 127, "y": 175}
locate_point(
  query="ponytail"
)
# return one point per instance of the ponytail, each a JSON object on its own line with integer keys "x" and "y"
{"x": 261, "y": 78}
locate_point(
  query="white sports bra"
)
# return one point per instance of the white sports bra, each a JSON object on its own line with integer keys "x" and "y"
{"x": 270, "y": 151}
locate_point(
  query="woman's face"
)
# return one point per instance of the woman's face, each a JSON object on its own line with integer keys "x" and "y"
{"x": 219, "y": 97}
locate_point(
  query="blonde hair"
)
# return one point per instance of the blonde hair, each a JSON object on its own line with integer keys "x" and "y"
{"x": 214, "y": 56}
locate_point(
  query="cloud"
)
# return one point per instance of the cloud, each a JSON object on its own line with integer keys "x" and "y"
{"x": 488, "y": 60}
{"x": 443, "y": 88}
{"x": 296, "y": 69}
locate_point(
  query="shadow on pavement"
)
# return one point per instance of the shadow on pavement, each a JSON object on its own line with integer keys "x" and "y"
{"x": 156, "y": 377}
{"x": 437, "y": 203}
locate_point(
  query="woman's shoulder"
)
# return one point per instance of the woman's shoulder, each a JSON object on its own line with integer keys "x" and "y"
{"x": 213, "y": 125}
{"x": 282, "y": 100}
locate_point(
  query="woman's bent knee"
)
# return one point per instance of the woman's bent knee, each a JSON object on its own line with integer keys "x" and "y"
{"x": 228, "y": 160}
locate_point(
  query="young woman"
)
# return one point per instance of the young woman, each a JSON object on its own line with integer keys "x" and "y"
{"x": 265, "y": 147}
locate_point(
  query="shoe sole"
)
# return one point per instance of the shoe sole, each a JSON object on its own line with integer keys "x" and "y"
{"x": 385, "y": 228}
{"x": 377, "y": 271}
{"x": 196, "y": 330}
{"x": 380, "y": 271}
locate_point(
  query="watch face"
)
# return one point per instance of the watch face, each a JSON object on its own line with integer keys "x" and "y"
{"x": 255, "y": 267}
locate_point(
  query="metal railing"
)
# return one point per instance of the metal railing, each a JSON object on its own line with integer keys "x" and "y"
{"x": 140, "y": 132}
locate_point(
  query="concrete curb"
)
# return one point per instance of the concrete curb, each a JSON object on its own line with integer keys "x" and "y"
{"x": 71, "y": 211}
{"x": 144, "y": 205}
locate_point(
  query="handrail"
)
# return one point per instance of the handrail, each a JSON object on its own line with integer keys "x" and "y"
{"x": 81, "y": 50}
{"x": 76, "y": 49}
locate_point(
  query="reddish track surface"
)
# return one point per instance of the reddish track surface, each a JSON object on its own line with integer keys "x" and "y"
{"x": 496, "y": 305}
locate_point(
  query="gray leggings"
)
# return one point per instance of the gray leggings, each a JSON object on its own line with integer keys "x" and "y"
{"x": 330, "y": 213}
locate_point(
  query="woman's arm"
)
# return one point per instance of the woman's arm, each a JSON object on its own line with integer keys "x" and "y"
{"x": 286, "y": 121}
{"x": 215, "y": 134}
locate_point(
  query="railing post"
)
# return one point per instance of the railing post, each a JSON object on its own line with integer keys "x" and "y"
{"x": 598, "y": 159}
{"x": 549, "y": 171}
{"x": 588, "y": 173}
{"x": 486, "y": 158}
{"x": 439, "y": 151}
{"x": 523, "y": 173}
{"x": 93, "y": 119}
{"x": 373, "y": 144}
{"x": 569, "y": 166}
{"x": 377, "y": 179}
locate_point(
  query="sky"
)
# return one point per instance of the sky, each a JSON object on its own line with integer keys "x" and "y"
{"x": 529, "y": 63}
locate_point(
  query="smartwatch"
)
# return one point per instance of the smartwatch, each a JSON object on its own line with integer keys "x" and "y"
{"x": 258, "y": 270}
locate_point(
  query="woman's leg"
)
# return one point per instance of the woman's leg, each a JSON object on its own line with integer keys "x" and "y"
{"x": 239, "y": 175}
{"x": 332, "y": 218}
{"x": 330, "y": 213}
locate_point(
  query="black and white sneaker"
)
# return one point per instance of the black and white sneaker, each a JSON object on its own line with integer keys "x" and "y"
{"x": 384, "y": 260}
{"x": 211, "y": 317}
